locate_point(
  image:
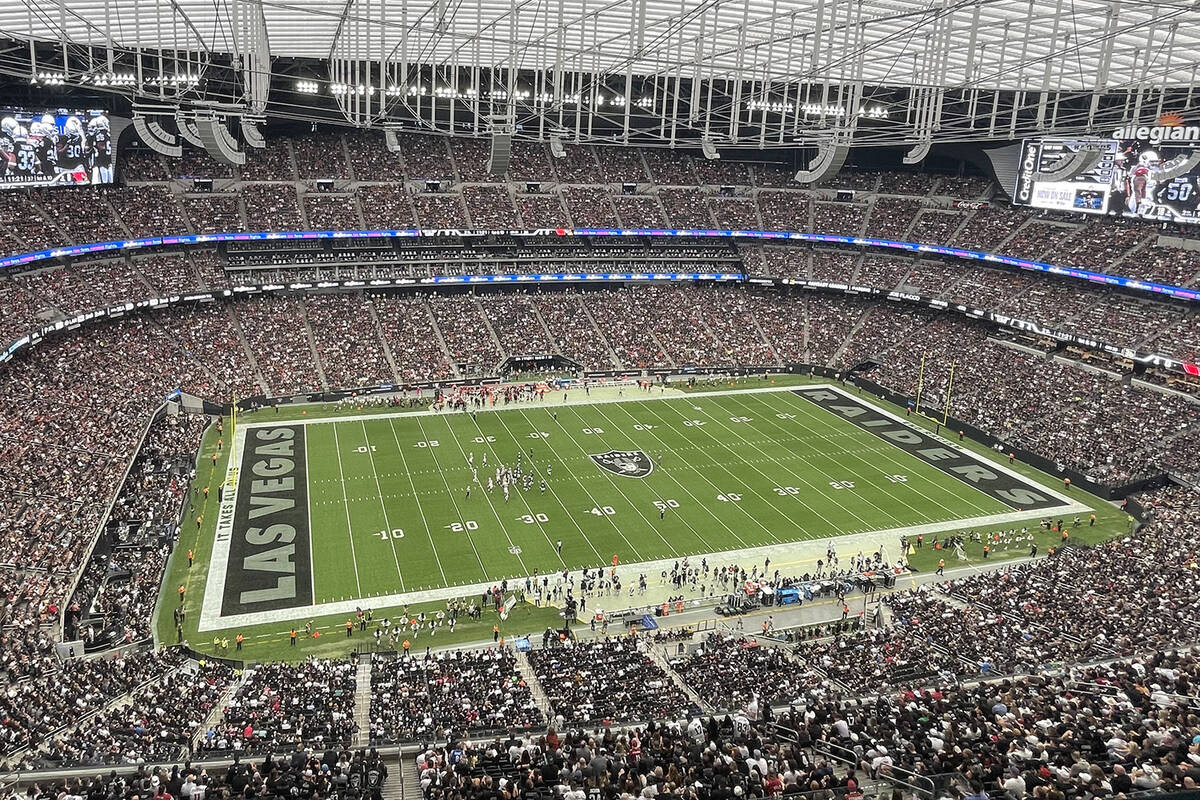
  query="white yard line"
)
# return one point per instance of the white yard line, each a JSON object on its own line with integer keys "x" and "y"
{"x": 703, "y": 477}
{"x": 382, "y": 505}
{"x": 218, "y": 563}
{"x": 772, "y": 480}
{"x": 337, "y": 446}
{"x": 724, "y": 467}
{"x": 522, "y": 495}
{"x": 884, "y": 452}
{"x": 557, "y": 499}
{"x": 457, "y": 510}
{"x": 699, "y": 536}
{"x": 511, "y": 544}
{"x": 1067, "y": 502}
{"x": 747, "y": 556}
{"x": 312, "y": 572}
{"x": 210, "y": 618}
{"x": 889, "y": 452}
{"x": 632, "y": 504}
{"x": 579, "y": 399}
{"x": 417, "y": 497}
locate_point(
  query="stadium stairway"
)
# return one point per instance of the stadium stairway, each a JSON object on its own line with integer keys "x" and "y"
{"x": 487, "y": 323}
{"x": 387, "y": 350}
{"x": 858, "y": 323}
{"x": 312, "y": 346}
{"x": 441, "y": 340}
{"x": 247, "y": 352}
{"x": 404, "y": 783}
{"x": 362, "y": 705}
{"x": 535, "y": 686}
{"x": 550, "y": 337}
{"x": 659, "y": 657}
{"x": 218, "y": 709}
{"x": 616, "y": 362}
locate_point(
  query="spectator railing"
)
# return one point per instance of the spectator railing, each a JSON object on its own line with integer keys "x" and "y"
{"x": 921, "y": 785}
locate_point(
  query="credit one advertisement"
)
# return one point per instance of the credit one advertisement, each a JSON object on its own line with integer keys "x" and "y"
{"x": 1088, "y": 192}
{"x": 1145, "y": 172}
{"x": 59, "y": 147}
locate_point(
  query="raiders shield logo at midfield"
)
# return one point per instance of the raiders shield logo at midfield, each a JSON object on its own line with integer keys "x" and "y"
{"x": 630, "y": 463}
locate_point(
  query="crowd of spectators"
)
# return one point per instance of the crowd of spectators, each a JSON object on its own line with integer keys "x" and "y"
{"x": 156, "y": 723}
{"x": 60, "y": 697}
{"x": 491, "y": 207}
{"x": 589, "y": 208}
{"x": 440, "y": 210}
{"x": 148, "y": 210}
{"x": 214, "y": 213}
{"x": 119, "y": 586}
{"x": 332, "y": 212}
{"x": 347, "y": 340}
{"x": 606, "y": 680}
{"x": 444, "y": 695}
{"x": 279, "y": 707}
{"x": 272, "y": 207}
{"x": 281, "y": 348}
{"x": 737, "y": 672}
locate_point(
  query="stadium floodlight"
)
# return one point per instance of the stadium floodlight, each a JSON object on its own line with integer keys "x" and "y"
{"x": 154, "y": 136}
{"x": 220, "y": 145}
{"x": 709, "y": 149}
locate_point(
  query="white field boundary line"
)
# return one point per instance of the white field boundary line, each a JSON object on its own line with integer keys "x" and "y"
{"x": 747, "y": 556}
{"x": 218, "y": 562}
{"x": 1067, "y": 503}
{"x": 579, "y": 400}
{"x": 211, "y": 620}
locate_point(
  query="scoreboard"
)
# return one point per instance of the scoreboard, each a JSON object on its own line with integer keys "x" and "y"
{"x": 1155, "y": 177}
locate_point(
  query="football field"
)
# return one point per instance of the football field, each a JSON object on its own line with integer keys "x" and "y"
{"x": 323, "y": 515}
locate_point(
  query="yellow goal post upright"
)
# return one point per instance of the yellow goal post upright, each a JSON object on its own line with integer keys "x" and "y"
{"x": 949, "y": 393}
{"x": 920, "y": 383}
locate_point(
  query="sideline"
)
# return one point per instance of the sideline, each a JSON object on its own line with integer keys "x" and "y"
{"x": 791, "y": 553}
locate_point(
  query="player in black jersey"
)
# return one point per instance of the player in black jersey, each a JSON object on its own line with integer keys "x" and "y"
{"x": 26, "y": 163}
{"x": 1179, "y": 197}
{"x": 45, "y": 138}
{"x": 10, "y": 129}
{"x": 100, "y": 149}
{"x": 71, "y": 146}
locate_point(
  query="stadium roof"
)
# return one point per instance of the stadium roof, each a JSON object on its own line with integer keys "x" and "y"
{"x": 731, "y": 72}
{"x": 1008, "y": 44}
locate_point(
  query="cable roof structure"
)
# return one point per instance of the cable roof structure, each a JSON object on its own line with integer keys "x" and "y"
{"x": 732, "y": 73}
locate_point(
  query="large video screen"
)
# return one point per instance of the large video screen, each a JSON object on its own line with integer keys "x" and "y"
{"x": 55, "y": 148}
{"x": 1142, "y": 172}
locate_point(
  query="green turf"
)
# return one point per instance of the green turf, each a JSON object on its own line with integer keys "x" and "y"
{"x": 379, "y": 473}
{"x": 390, "y": 512}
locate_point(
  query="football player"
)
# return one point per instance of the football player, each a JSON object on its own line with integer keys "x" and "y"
{"x": 100, "y": 149}
{"x": 25, "y": 157}
{"x": 1141, "y": 183}
{"x": 72, "y": 146}
{"x": 10, "y": 130}
{"x": 45, "y": 133}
